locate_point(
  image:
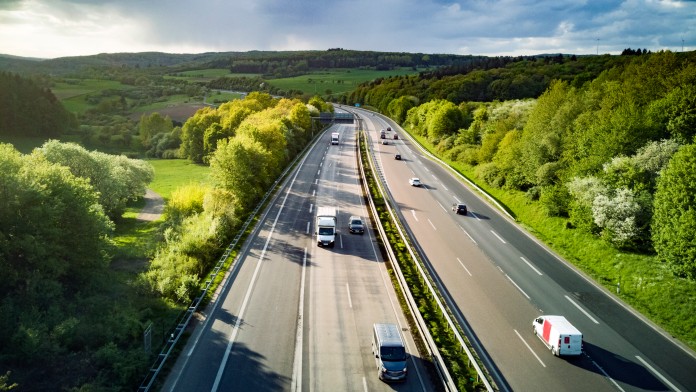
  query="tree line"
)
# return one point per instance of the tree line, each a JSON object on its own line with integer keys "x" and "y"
{"x": 28, "y": 109}
{"x": 247, "y": 144}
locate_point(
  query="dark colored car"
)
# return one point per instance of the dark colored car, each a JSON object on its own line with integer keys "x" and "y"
{"x": 396, "y": 136}
{"x": 397, "y": 157}
{"x": 356, "y": 225}
{"x": 459, "y": 208}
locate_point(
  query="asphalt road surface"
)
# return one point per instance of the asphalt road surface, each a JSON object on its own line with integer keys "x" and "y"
{"x": 498, "y": 279}
{"x": 295, "y": 317}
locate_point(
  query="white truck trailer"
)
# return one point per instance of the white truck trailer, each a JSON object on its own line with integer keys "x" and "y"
{"x": 334, "y": 137}
{"x": 558, "y": 334}
{"x": 326, "y": 226}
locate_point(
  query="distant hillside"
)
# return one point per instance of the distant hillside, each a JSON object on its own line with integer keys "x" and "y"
{"x": 267, "y": 63}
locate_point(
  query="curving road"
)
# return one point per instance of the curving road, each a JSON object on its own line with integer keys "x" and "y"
{"x": 292, "y": 316}
{"x": 498, "y": 278}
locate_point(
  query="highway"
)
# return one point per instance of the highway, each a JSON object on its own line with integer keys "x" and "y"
{"x": 295, "y": 317}
{"x": 498, "y": 279}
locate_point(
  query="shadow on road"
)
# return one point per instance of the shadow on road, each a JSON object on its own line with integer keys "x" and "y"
{"x": 618, "y": 367}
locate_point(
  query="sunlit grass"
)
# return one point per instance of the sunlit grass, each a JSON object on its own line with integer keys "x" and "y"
{"x": 171, "y": 174}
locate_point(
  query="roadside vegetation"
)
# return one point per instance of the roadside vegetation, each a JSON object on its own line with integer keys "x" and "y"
{"x": 594, "y": 171}
{"x": 605, "y": 142}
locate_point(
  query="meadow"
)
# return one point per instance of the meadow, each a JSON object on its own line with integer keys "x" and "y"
{"x": 336, "y": 81}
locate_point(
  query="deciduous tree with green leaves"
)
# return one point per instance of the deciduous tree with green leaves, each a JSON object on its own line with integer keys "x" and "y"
{"x": 674, "y": 219}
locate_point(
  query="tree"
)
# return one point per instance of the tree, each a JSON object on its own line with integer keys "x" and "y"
{"x": 677, "y": 113}
{"x": 674, "y": 219}
{"x": 116, "y": 178}
{"x": 240, "y": 167}
{"x": 151, "y": 125}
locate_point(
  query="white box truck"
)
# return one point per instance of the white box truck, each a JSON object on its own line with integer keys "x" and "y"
{"x": 558, "y": 334}
{"x": 334, "y": 138}
{"x": 326, "y": 226}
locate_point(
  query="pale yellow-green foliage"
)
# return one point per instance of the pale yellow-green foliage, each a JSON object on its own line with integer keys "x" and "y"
{"x": 187, "y": 200}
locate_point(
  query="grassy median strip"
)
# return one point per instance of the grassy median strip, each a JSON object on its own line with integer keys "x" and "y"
{"x": 462, "y": 372}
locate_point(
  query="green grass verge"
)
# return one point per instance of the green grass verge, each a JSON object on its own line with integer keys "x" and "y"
{"x": 638, "y": 279}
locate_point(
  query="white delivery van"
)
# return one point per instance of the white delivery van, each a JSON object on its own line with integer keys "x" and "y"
{"x": 390, "y": 352}
{"x": 326, "y": 226}
{"x": 334, "y": 138}
{"x": 558, "y": 334}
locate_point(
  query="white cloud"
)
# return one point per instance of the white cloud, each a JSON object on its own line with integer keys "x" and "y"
{"x": 52, "y": 28}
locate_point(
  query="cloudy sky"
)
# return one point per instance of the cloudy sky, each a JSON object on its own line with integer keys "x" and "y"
{"x": 57, "y": 28}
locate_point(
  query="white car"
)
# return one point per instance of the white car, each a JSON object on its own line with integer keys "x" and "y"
{"x": 415, "y": 181}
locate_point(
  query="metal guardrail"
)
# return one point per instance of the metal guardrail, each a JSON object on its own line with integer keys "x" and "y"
{"x": 184, "y": 319}
{"x": 426, "y": 278}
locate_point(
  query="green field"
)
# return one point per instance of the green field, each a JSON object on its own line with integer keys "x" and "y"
{"x": 335, "y": 81}
{"x": 205, "y": 75}
{"x": 171, "y": 174}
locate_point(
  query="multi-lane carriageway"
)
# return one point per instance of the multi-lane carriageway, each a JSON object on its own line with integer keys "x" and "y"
{"x": 292, "y": 316}
{"x": 498, "y": 278}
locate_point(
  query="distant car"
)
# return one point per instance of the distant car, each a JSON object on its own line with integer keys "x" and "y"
{"x": 382, "y": 136}
{"x": 415, "y": 181}
{"x": 396, "y": 136}
{"x": 356, "y": 225}
{"x": 388, "y": 129}
{"x": 397, "y": 157}
{"x": 385, "y": 141}
{"x": 459, "y": 208}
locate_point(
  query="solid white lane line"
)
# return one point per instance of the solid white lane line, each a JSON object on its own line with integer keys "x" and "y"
{"x": 247, "y": 295}
{"x": 530, "y": 348}
{"x": 296, "y": 384}
{"x": 658, "y": 374}
{"x": 463, "y": 266}
{"x": 498, "y": 237}
{"x": 531, "y": 266}
{"x": 582, "y": 310}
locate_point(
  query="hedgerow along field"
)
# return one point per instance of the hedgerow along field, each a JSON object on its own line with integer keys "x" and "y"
{"x": 336, "y": 81}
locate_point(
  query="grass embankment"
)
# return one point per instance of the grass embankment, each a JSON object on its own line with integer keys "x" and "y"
{"x": 639, "y": 280}
{"x": 457, "y": 363}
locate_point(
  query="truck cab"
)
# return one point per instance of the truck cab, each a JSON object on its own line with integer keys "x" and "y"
{"x": 326, "y": 226}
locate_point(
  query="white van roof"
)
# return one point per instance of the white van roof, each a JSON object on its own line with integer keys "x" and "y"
{"x": 562, "y": 324}
{"x": 388, "y": 334}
